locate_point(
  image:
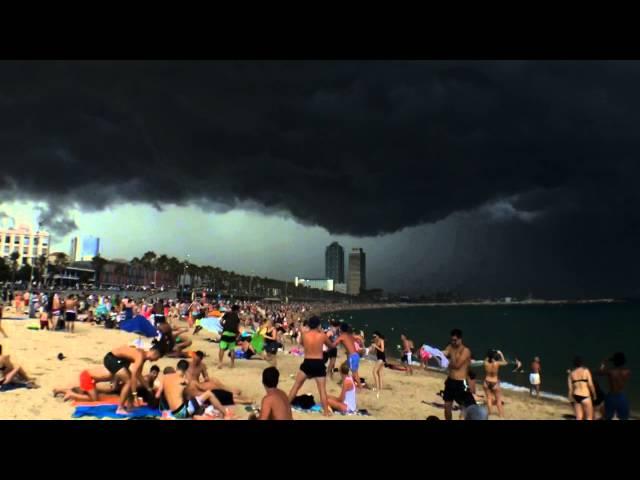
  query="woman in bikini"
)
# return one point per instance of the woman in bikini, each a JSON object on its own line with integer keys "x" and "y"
{"x": 581, "y": 390}
{"x": 491, "y": 385}
{"x": 381, "y": 360}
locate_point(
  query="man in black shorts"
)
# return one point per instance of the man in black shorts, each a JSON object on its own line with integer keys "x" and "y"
{"x": 332, "y": 353}
{"x": 158, "y": 313}
{"x": 313, "y": 364}
{"x": 456, "y": 388}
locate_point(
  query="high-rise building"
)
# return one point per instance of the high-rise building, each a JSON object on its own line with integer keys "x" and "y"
{"x": 334, "y": 262}
{"x": 357, "y": 281}
{"x": 28, "y": 244}
{"x": 83, "y": 249}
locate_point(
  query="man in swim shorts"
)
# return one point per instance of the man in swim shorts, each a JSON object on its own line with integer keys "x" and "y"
{"x": 456, "y": 388}
{"x": 230, "y": 330}
{"x": 407, "y": 352}
{"x": 313, "y": 365}
{"x": 616, "y": 402}
{"x": 534, "y": 377}
{"x": 70, "y": 313}
{"x": 353, "y": 356}
{"x": 173, "y": 388}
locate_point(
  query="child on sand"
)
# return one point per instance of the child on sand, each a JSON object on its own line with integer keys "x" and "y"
{"x": 44, "y": 319}
{"x": 346, "y": 402}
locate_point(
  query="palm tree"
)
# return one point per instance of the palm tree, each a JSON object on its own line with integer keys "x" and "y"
{"x": 14, "y": 265}
{"x": 148, "y": 261}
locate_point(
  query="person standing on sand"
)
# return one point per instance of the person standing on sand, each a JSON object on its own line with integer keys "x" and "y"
{"x": 313, "y": 365}
{"x": 534, "y": 377}
{"x": 581, "y": 390}
{"x": 347, "y": 339}
{"x": 491, "y": 385}
{"x": 381, "y": 360}
{"x": 455, "y": 386}
{"x": 125, "y": 364}
{"x": 616, "y": 402}
{"x": 70, "y": 313}
{"x": 230, "y": 331}
{"x": 407, "y": 353}
{"x": 332, "y": 353}
{"x": 1, "y": 315}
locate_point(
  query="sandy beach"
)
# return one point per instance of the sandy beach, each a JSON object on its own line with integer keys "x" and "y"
{"x": 401, "y": 399}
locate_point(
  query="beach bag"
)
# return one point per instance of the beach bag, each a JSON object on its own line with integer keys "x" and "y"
{"x": 305, "y": 402}
{"x": 60, "y": 324}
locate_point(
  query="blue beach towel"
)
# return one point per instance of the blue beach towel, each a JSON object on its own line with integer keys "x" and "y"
{"x": 109, "y": 411}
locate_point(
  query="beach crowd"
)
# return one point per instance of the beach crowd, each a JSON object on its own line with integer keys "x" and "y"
{"x": 262, "y": 331}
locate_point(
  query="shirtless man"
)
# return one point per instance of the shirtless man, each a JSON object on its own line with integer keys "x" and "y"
{"x": 313, "y": 364}
{"x": 70, "y": 313}
{"x": 534, "y": 377}
{"x": 56, "y": 307}
{"x": 173, "y": 387}
{"x": 195, "y": 388}
{"x": 197, "y": 369}
{"x": 347, "y": 339}
{"x": 10, "y": 372}
{"x": 615, "y": 401}
{"x": 125, "y": 365}
{"x": 492, "y": 363}
{"x": 332, "y": 353}
{"x": 158, "y": 313}
{"x": 194, "y": 313}
{"x": 275, "y": 404}
{"x": 407, "y": 352}
{"x": 456, "y": 387}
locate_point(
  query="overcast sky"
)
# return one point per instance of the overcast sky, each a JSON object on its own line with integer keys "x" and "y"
{"x": 494, "y": 178}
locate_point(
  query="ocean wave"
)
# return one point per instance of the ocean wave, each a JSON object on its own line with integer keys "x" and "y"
{"x": 543, "y": 394}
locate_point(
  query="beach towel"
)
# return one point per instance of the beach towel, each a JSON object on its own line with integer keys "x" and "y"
{"x": 318, "y": 409}
{"x": 12, "y": 386}
{"x": 109, "y": 411}
{"x": 434, "y": 352}
{"x": 139, "y": 324}
{"x": 211, "y": 324}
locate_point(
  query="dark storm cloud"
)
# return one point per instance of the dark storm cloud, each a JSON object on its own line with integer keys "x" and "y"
{"x": 360, "y": 148}
{"x": 54, "y": 218}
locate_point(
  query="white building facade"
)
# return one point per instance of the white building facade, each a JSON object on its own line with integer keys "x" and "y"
{"x": 30, "y": 245}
